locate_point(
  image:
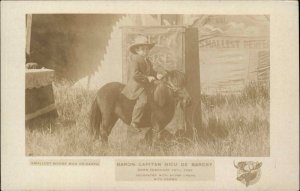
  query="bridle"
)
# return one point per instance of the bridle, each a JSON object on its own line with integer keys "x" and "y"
{"x": 172, "y": 87}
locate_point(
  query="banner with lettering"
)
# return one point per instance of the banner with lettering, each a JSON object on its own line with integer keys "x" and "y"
{"x": 234, "y": 51}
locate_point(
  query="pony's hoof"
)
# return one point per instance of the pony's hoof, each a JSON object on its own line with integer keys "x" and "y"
{"x": 134, "y": 129}
{"x": 95, "y": 138}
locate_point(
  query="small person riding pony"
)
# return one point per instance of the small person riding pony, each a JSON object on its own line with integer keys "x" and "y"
{"x": 140, "y": 103}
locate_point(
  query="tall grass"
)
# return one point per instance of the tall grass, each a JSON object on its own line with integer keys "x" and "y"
{"x": 232, "y": 125}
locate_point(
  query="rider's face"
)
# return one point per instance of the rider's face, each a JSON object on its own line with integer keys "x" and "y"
{"x": 142, "y": 50}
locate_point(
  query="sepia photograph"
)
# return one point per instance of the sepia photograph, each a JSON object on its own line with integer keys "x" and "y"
{"x": 147, "y": 85}
{"x": 149, "y": 95}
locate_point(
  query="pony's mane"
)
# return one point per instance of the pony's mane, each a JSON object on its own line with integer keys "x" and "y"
{"x": 175, "y": 77}
{"x": 162, "y": 92}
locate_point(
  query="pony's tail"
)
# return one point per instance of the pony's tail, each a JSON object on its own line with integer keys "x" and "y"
{"x": 95, "y": 119}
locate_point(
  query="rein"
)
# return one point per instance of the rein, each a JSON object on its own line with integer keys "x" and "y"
{"x": 171, "y": 86}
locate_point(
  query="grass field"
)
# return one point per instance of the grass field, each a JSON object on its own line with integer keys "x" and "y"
{"x": 232, "y": 125}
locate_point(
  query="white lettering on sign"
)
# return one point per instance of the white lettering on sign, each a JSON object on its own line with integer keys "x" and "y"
{"x": 234, "y": 43}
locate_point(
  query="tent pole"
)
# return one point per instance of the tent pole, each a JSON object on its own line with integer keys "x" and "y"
{"x": 28, "y": 32}
{"x": 88, "y": 82}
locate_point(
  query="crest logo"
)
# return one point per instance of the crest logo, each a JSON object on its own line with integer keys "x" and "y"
{"x": 248, "y": 172}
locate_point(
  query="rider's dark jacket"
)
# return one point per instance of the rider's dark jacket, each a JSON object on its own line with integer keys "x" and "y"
{"x": 139, "y": 69}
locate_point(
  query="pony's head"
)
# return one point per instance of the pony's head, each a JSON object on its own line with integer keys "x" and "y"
{"x": 175, "y": 81}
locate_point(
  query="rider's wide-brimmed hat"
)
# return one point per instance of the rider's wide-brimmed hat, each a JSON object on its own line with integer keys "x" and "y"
{"x": 140, "y": 40}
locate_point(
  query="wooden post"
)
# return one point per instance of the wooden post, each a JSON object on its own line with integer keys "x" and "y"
{"x": 28, "y": 32}
{"x": 192, "y": 69}
{"x": 88, "y": 82}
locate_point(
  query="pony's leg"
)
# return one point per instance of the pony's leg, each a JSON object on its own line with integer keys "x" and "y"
{"x": 108, "y": 121}
{"x": 148, "y": 137}
{"x": 112, "y": 121}
{"x": 155, "y": 132}
{"x": 95, "y": 120}
{"x": 96, "y": 134}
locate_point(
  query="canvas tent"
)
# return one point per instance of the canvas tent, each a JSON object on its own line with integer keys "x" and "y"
{"x": 71, "y": 44}
{"x": 234, "y": 51}
{"x": 112, "y": 59}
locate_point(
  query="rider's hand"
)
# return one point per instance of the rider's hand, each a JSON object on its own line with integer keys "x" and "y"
{"x": 159, "y": 76}
{"x": 151, "y": 78}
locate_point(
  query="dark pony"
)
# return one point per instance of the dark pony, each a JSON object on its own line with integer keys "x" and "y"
{"x": 110, "y": 105}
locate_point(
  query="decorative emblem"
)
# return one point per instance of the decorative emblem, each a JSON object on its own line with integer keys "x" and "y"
{"x": 248, "y": 172}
